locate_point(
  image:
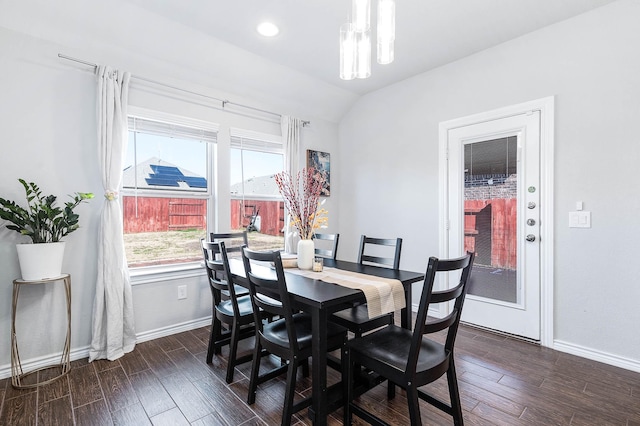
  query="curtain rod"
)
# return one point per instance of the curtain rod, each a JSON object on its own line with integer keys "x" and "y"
{"x": 224, "y": 102}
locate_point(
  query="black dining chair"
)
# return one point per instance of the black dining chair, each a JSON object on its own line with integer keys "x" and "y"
{"x": 371, "y": 254}
{"x": 409, "y": 359}
{"x": 330, "y": 250}
{"x": 233, "y": 245}
{"x": 236, "y": 312}
{"x": 288, "y": 337}
{"x": 356, "y": 318}
{"x": 233, "y": 241}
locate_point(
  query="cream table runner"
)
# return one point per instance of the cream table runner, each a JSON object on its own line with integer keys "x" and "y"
{"x": 383, "y": 295}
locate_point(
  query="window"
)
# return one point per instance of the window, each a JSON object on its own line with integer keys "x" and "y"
{"x": 166, "y": 188}
{"x": 256, "y": 204}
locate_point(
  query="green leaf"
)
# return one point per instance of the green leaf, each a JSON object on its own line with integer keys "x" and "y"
{"x": 43, "y": 221}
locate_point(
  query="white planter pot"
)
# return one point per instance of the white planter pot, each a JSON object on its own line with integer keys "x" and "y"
{"x": 306, "y": 253}
{"x": 40, "y": 261}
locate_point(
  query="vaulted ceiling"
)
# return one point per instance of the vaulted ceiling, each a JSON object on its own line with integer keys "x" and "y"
{"x": 429, "y": 33}
{"x": 212, "y": 46}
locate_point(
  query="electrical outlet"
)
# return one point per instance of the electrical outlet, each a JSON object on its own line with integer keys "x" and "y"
{"x": 182, "y": 292}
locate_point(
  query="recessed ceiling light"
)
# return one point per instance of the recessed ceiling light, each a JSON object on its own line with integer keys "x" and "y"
{"x": 268, "y": 29}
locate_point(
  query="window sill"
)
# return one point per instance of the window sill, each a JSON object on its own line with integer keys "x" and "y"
{"x": 154, "y": 274}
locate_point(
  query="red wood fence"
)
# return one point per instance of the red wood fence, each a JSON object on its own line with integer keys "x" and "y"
{"x": 490, "y": 229}
{"x": 152, "y": 214}
{"x": 490, "y": 225}
{"x": 271, "y": 215}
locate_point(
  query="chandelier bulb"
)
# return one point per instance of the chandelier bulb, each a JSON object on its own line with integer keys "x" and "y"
{"x": 355, "y": 38}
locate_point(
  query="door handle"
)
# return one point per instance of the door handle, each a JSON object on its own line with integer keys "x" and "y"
{"x": 531, "y": 238}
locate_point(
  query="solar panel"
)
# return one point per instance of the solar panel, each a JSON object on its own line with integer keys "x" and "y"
{"x": 195, "y": 182}
{"x": 166, "y": 171}
{"x": 172, "y": 176}
{"x": 165, "y": 181}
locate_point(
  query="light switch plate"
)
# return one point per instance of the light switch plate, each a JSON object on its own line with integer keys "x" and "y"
{"x": 580, "y": 219}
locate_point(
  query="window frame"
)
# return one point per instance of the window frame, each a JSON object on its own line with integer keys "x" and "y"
{"x": 266, "y": 143}
{"x": 168, "y": 272}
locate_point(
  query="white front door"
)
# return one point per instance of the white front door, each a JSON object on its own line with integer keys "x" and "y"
{"x": 493, "y": 207}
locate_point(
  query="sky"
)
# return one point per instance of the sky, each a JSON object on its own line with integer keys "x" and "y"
{"x": 192, "y": 155}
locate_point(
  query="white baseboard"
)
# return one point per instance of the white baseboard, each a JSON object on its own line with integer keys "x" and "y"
{"x": 44, "y": 361}
{"x": 83, "y": 352}
{"x": 595, "y": 355}
{"x": 172, "y": 329}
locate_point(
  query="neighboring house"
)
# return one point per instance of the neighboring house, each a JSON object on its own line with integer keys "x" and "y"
{"x": 155, "y": 212}
{"x": 259, "y": 186}
{"x": 156, "y": 173}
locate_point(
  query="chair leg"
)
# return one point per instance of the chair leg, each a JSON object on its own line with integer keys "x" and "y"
{"x": 287, "y": 409}
{"x": 233, "y": 349}
{"x": 216, "y": 332}
{"x": 414, "y": 407}
{"x": 255, "y": 369}
{"x": 454, "y": 394}
{"x": 356, "y": 335}
{"x": 391, "y": 390}
{"x": 347, "y": 385}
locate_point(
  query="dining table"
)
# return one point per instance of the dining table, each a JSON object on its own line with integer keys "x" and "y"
{"x": 320, "y": 299}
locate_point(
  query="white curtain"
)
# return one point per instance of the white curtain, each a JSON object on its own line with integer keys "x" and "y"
{"x": 291, "y": 138}
{"x": 113, "y": 332}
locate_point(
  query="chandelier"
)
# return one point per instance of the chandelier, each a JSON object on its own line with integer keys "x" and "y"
{"x": 355, "y": 38}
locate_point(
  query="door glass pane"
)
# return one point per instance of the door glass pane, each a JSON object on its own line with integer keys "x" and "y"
{"x": 490, "y": 221}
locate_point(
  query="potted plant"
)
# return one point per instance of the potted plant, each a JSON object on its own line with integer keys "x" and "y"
{"x": 46, "y": 224}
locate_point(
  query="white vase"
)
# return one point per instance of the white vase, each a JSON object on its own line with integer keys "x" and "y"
{"x": 40, "y": 261}
{"x": 306, "y": 253}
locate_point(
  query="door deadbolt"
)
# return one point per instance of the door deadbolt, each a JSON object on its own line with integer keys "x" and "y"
{"x": 531, "y": 238}
{"x": 531, "y": 222}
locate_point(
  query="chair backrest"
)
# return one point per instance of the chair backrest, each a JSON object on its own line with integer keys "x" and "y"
{"x": 219, "y": 275}
{"x": 329, "y": 253}
{"x": 233, "y": 241}
{"x": 367, "y": 255}
{"x": 455, "y": 294}
{"x": 268, "y": 289}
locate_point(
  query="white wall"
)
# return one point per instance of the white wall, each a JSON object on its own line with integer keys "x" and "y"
{"x": 591, "y": 64}
{"x": 48, "y": 135}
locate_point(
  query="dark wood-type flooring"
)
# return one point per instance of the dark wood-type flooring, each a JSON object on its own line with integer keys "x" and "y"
{"x": 167, "y": 382}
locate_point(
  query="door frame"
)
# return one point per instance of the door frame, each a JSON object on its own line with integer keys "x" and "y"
{"x": 546, "y": 107}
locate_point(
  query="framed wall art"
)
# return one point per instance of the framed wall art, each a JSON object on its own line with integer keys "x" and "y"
{"x": 321, "y": 161}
